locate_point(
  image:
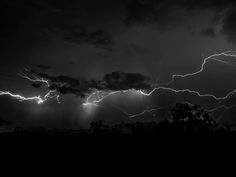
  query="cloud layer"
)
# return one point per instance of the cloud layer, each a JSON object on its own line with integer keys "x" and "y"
{"x": 111, "y": 82}
{"x": 164, "y": 16}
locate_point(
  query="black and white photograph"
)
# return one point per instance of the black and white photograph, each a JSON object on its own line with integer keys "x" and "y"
{"x": 86, "y": 69}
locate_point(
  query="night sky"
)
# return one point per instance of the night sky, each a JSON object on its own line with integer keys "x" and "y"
{"x": 85, "y": 46}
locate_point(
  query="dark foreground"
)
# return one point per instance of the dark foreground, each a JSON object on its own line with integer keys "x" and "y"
{"x": 116, "y": 151}
{"x": 95, "y": 141}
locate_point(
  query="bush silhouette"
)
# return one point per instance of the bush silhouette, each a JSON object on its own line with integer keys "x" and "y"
{"x": 192, "y": 118}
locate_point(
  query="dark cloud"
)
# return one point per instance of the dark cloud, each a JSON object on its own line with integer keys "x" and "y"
{"x": 67, "y": 85}
{"x": 63, "y": 19}
{"x": 77, "y": 34}
{"x": 37, "y": 85}
{"x": 206, "y": 4}
{"x": 61, "y": 79}
{"x": 208, "y": 32}
{"x": 76, "y": 21}
{"x": 150, "y": 12}
{"x": 124, "y": 81}
{"x": 100, "y": 39}
{"x": 163, "y": 13}
{"x": 111, "y": 82}
{"x": 217, "y": 19}
{"x": 44, "y": 67}
{"x": 4, "y": 122}
{"x": 100, "y": 24}
{"x": 229, "y": 25}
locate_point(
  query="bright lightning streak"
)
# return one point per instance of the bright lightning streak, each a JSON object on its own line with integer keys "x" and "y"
{"x": 40, "y": 100}
{"x": 100, "y": 96}
{"x": 21, "y": 98}
{"x": 230, "y": 53}
{"x": 188, "y": 91}
{"x": 35, "y": 79}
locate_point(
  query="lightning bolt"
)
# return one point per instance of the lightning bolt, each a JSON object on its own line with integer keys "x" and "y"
{"x": 147, "y": 110}
{"x": 167, "y": 87}
{"x": 222, "y": 106}
{"x": 35, "y": 79}
{"x": 39, "y": 100}
{"x": 229, "y": 53}
{"x": 102, "y": 95}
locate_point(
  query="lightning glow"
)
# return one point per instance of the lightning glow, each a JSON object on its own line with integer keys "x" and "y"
{"x": 101, "y": 97}
{"x": 39, "y": 99}
{"x": 157, "y": 87}
{"x": 98, "y": 97}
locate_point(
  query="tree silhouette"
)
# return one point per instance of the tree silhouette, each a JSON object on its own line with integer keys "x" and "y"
{"x": 5, "y": 122}
{"x": 192, "y": 118}
{"x": 97, "y": 127}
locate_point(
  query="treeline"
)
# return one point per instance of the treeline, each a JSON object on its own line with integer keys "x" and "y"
{"x": 184, "y": 118}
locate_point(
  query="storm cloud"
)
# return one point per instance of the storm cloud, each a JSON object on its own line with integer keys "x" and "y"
{"x": 78, "y": 35}
{"x": 208, "y": 32}
{"x": 229, "y": 25}
{"x": 53, "y": 19}
{"x": 83, "y": 42}
{"x": 166, "y": 15}
{"x": 114, "y": 81}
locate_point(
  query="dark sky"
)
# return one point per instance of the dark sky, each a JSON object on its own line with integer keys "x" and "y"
{"x": 79, "y": 41}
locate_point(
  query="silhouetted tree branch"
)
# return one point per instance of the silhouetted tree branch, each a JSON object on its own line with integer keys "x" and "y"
{"x": 192, "y": 118}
